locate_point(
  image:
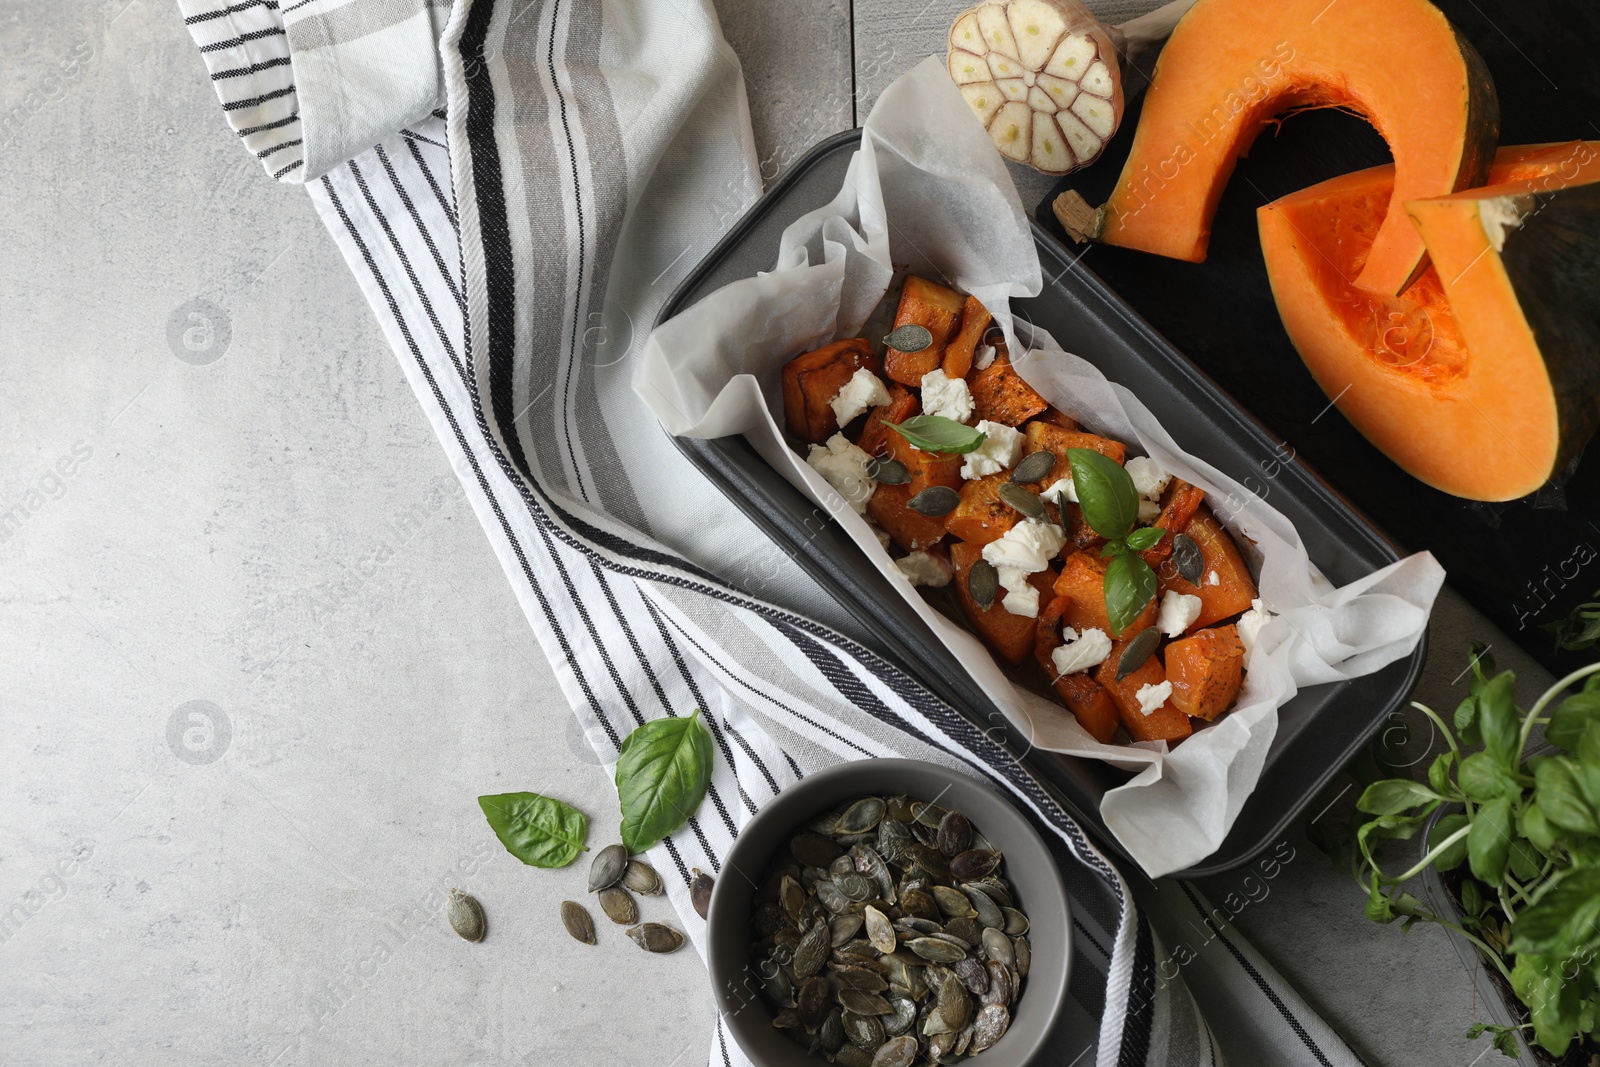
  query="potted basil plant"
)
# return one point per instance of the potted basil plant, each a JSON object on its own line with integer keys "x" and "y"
{"x": 1514, "y": 837}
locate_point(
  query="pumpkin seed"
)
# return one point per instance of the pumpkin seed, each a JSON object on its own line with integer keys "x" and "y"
{"x": 964, "y": 928}
{"x": 619, "y": 906}
{"x": 832, "y": 897}
{"x": 855, "y": 887}
{"x": 813, "y": 950}
{"x": 1024, "y": 954}
{"x": 934, "y": 501}
{"x": 700, "y": 887}
{"x": 862, "y": 816}
{"x": 955, "y": 833}
{"x": 909, "y": 338}
{"x": 1035, "y": 467}
{"x": 653, "y": 937}
{"x": 974, "y": 974}
{"x": 862, "y": 1003}
{"x": 831, "y": 1034}
{"x": 918, "y": 904}
{"x": 999, "y": 991}
{"x": 998, "y": 947}
{"x": 465, "y": 915}
{"x": 989, "y": 1027}
{"x": 778, "y": 989}
{"x": 902, "y": 1013}
{"x": 609, "y": 865}
{"x": 973, "y": 864}
{"x": 853, "y": 1056}
{"x": 1137, "y": 651}
{"x": 879, "y": 930}
{"x": 575, "y": 917}
{"x": 936, "y": 949}
{"x": 792, "y": 897}
{"x": 813, "y": 850}
{"x": 1024, "y": 501}
{"x": 898, "y": 1052}
{"x": 951, "y": 901}
{"x": 811, "y": 1004}
{"x": 864, "y": 1031}
{"x": 942, "y": 1047}
{"x": 986, "y": 911}
{"x": 858, "y": 978}
{"x": 1186, "y": 554}
{"x": 843, "y": 928}
{"x": 640, "y": 877}
{"x": 983, "y": 583}
{"x": 1016, "y": 922}
{"x": 886, "y": 471}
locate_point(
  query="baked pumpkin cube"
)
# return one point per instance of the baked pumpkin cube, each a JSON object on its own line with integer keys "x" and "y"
{"x": 1206, "y": 670}
{"x": 1164, "y": 723}
{"x": 1010, "y": 637}
{"x": 1225, "y": 587}
{"x": 1043, "y": 437}
{"x": 1057, "y": 417}
{"x": 936, "y": 309}
{"x": 1000, "y": 395}
{"x": 911, "y": 530}
{"x": 811, "y": 381}
{"x": 1086, "y": 698}
{"x": 925, "y": 468}
{"x": 903, "y": 404}
{"x": 1178, "y": 505}
{"x": 1083, "y": 583}
{"x": 975, "y": 319}
{"x": 982, "y": 516}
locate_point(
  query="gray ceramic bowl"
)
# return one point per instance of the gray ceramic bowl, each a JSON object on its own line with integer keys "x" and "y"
{"x": 1029, "y": 867}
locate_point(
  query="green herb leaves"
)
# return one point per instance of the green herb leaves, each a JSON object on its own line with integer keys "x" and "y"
{"x": 538, "y": 830}
{"x": 935, "y": 433}
{"x": 662, "y": 776}
{"x": 1110, "y": 506}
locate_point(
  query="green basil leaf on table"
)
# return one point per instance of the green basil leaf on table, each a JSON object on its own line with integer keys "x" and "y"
{"x": 935, "y": 433}
{"x": 539, "y": 830}
{"x": 1489, "y": 840}
{"x": 1145, "y": 537}
{"x": 1130, "y": 585}
{"x": 1395, "y": 795}
{"x": 1452, "y": 857}
{"x": 1106, "y": 494}
{"x": 662, "y": 777}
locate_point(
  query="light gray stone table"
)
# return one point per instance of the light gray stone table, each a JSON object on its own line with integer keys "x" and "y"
{"x": 260, "y": 660}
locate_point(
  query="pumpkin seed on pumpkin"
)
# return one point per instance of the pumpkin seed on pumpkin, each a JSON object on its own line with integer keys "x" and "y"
{"x": 935, "y": 501}
{"x": 1137, "y": 651}
{"x": 886, "y": 471}
{"x": 909, "y": 338}
{"x": 983, "y": 583}
{"x": 1035, "y": 467}
{"x": 1023, "y": 500}
{"x": 1188, "y": 558}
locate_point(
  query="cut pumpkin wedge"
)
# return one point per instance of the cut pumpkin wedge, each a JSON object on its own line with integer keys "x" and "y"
{"x": 1402, "y": 369}
{"x": 1230, "y": 69}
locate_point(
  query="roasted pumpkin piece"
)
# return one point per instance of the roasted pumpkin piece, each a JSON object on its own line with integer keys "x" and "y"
{"x": 1163, "y": 723}
{"x": 1010, "y": 637}
{"x": 811, "y": 381}
{"x": 1206, "y": 670}
{"x": 903, "y": 404}
{"x": 934, "y": 308}
{"x": 1083, "y": 582}
{"x": 982, "y": 516}
{"x": 925, "y": 468}
{"x": 1178, "y": 505}
{"x": 1057, "y": 417}
{"x": 911, "y": 530}
{"x": 1086, "y": 698}
{"x": 975, "y": 319}
{"x": 1040, "y": 436}
{"x": 1000, "y": 395}
{"x": 1080, "y": 535}
{"x": 1231, "y": 590}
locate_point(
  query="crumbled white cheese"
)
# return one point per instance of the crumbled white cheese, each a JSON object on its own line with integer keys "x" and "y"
{"x": 1149, "y": 510}
{"x": 864, "y": 390}
{"x": 1000, "y": 451}
{"x": 1079, "y": 652}
{"x": 1250, "y": 624}
{"x": 925, "y": 569}
{"x": 1213, "y": 578}
{"x": 878, "y": 531}
{"x": 1026, "y": 548}
{"x": 845, "y": 467}
{"x": 949, "y": 397}
{"x": 983, "y": 357}
{"x": 1178, "y": 612}
{"x": 1151, "y": 697}
{"x": 1063, "y": 485}
{"x": 1149, "y": 480}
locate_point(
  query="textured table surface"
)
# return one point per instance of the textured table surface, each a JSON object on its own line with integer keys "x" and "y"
{"x": 260, "y": 660}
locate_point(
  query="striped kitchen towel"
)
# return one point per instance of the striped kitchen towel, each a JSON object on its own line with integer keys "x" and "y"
{"x": 517, "y": 189}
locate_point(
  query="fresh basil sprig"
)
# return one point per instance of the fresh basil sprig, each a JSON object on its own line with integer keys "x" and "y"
{"x": 662, "y": 775}
{"x": 539, "y": 830}
{"x": 1110, "y": 506}
{"x": 935, "y": 433}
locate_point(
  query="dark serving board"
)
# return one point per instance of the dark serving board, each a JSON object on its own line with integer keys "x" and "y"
{"x": 1319, "y": 730}
{"x": 1520, "y": 563}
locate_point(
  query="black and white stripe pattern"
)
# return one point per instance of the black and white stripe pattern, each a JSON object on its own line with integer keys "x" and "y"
{"x": 428, "y": 222}
{"x": 246, "y": 51}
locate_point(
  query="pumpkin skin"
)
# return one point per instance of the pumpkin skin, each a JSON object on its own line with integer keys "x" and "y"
{"x": 1233, "y": 66}
{"x": 1399, "y": 368}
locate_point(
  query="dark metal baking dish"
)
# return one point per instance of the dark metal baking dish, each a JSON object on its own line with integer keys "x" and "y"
{"x": 1319, "y": 730}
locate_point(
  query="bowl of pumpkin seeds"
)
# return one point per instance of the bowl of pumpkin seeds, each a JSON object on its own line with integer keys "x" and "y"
{"x": 890, "y": 913}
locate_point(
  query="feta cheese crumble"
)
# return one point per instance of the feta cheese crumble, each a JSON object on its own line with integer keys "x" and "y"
{"x": 1062, "y": 485}
{"x": 878, "y": 531}
{"x": 1213, "y": 578}
{"x": 1000, "y": 451}
{"x": 1178, "y": 612}
{"x": 845, "y": 467}
{"x": 949, "y": 397}
{"x": 1149, "y": 510}
{"x": 983, "y": 357}
{"x": 1151, "y": 697}
{"x": 922, "y": 568}
{"x": 1250, "y": 624}
{"x": 1149, "y": 480}
{"x": 864, "y": 390}
{"x": 1079, "y": 652}
{"x": 1026, "y": 548}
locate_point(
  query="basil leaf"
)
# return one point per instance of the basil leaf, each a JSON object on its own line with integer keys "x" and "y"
{"x": 1145, "y": 537}
{"x": 1130, "y": 585}
{"x": 1565, "y": 916}
{"x": 1489, "y": 841}
{"x": 1483, "y": 777}
{"x": 1497, "y": 718}
{"x": 1105, "y": 493}
{"x": 1571, "y": 718}
{"x": 1466, "y": 720}
{"x": 1536, "y": 828}
{"x": 1560, "y": 800}
{"x": 1452, "y": 857}
{"x": 538, "y": 830}
{"x": 935, "y": 433}
{"x": 1395, "y": 795}
{"x": 662, "y": 776}
{"x": 1439, "y": 772}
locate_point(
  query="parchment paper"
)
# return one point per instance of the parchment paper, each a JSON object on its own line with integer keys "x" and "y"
{"x": 928, "y": 191}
